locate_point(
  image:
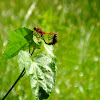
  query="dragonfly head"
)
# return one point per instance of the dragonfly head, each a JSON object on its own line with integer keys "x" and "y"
{"x": 34, "y": 28}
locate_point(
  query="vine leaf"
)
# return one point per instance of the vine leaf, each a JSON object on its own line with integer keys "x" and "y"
{"x": 49, "y": 50}
{"x": 42, "y": 72}
{"x": 19, "y": 39}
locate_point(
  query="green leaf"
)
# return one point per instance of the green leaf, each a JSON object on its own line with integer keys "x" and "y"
{"x": 37, "y": 40}
{"x": 45, "y": 75}
{"x": 18, "y": 40}
{"x": 49, "y": 51}
{"x": 42, "y": 72}
{"x": 24, "y": 60}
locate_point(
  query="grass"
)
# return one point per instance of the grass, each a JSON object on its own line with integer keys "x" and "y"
{"x": 78, "y": 49}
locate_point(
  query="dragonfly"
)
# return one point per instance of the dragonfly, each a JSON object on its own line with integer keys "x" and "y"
{"x": 42, "y": 34}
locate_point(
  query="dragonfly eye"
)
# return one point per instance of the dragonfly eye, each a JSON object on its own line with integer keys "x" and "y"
{"x": 34, "y": 28}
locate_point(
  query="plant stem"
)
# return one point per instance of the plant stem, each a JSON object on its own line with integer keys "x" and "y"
{"x": 33, "y": 51}
{"x": 21, "y": 75}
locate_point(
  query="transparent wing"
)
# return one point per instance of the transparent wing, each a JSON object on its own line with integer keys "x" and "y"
{"x": 48, "y": 37}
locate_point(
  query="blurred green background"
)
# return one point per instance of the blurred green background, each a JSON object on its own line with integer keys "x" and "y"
{"x": 77, "y": 23}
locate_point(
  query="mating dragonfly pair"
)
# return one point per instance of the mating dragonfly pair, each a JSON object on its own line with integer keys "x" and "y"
{"x": 52, "y": 37}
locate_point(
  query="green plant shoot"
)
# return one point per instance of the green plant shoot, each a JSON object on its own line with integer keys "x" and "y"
{"x": 41, "y": 69}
